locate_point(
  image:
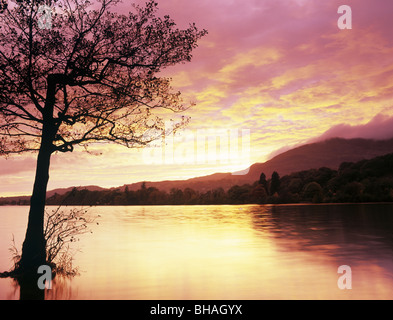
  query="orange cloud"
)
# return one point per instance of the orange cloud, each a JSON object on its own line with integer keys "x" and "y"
{"x": 281, "y": 69}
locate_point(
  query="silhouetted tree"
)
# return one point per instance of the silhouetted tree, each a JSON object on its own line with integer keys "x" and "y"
{"x": 258, "y": 194}
{"x": 274, "y": 183}
{"x": 93, "y": 76}
{"x": 295, "y": 185}
{"x": 313, "y": 192}
{"x": 219, "y": 196}
{"x": 3, "y": 5}
{"x": 262, "y": 181}
{"x": 239, "y": 194}
{"x": 190, "y": 196}
{"x": 142, "y": 194}
{"x": 373, "y": 181}
{"x": 176, "y": 196}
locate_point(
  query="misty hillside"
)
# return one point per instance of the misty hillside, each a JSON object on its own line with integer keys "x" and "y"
{"x": 330, "y": 153}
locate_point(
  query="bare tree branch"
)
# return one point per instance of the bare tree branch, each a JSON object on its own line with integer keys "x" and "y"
{"x": 95, "y": 70}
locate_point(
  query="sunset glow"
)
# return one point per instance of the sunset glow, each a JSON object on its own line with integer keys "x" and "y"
{"x": 196, "y": 150}
{"x": 281, "y": 69}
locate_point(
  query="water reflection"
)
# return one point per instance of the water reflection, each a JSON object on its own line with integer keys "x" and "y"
{"x": 29, "y": 289}
{"x": 356, "y": 235}
{"x": 231, "y": 252}
{"x": 356, "y": 232}
{"x": 26, "y": 287}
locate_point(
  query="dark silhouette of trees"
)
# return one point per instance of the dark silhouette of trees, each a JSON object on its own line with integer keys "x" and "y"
{"x": 313, "y": 192}
{"x": 295, "y": 185}
{"x": 176, "y": 196}
{"x": 350, "y": 192}
{"x": 239, "y": 194}
{"x": 373, "y": 182}
{"x": 190, "y": 196}
{"x": 258, "y": 194}
{"x": 262, "y": 181}
{"x": 92, "y": 77}
{"x": 3, "y": 5}
{"x": 274, "y": 183}
{"x": 219, "y": 196}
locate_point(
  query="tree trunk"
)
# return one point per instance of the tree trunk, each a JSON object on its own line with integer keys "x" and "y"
{"x": 33, "y": 250}
{"x": 34, "y": 246}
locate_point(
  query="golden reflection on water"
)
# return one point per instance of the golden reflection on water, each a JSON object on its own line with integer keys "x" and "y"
{"x": 231, "y": 252}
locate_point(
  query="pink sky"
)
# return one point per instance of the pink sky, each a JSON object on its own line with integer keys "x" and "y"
{"x": 279, "y": 68}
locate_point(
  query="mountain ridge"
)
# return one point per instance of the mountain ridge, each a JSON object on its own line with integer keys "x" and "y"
{"x": 328, "y": 153}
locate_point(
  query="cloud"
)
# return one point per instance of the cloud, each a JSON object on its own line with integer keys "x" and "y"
{"x": 379, "y": 128}
{"x": 16, "y": 165}
{"x": 280, "y": 68}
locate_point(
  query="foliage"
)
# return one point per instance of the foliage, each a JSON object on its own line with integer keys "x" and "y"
{"x": 274, "y": 183}
{"x": 313, "y": 192}
{"x": 61, "y": 229}
{"x": 93, "y": 76}
{"x": 364, "y": 181}
{"x": 90, "y": 75}
{"x": 367, "y": 180}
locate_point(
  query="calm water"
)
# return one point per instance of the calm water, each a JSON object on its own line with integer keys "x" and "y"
{"x": 222, "y": 252}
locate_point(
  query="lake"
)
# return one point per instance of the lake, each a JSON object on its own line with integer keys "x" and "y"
{"x": 222, "y": 252}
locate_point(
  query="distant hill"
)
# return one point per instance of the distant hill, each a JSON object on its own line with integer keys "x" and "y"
{"x": 330, "y": 153}
{"x": 25, "y": 200}
{"x": 65, "y": 190}
{"x": 353, "y": 182}
{"x": 17, "y": 200}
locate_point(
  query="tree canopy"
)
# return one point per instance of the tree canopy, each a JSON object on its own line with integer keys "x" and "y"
{"x": 93, "y": 76}
{"x": 90, "y": 75}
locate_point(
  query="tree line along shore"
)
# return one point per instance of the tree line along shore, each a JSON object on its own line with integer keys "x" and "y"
{"x": 363, "y": 181}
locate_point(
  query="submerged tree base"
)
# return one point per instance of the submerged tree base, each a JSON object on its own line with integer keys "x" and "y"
{"x": 61, "y": 228}
{"x": 18, "y": 273}
{"x": 7, "y": 274}
{"x": 28, "y": 283}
